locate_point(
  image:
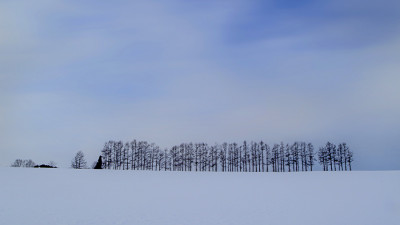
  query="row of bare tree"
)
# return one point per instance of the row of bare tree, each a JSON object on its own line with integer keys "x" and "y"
{"x": 335, "y": 157}
{"x": 23, "y": 163}
{"x": 30, "y": 163}
{"x": 232, "y": 157}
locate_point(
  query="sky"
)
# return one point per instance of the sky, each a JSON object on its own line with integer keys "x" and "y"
{"x": 75, "y": 74}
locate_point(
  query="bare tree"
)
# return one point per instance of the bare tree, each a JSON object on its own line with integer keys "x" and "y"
{"x": 330, "y": 153}
{"x": 323, "y": 158}
{"x": 310, "y": 156}
{"x": 275, "y": 158}
{"x": 29, "y": 163}
{"x": 349, "y": 157}
{"x": 282, "y": 156}
{"x": 222, "y": 156}
{"x": 267, "y": 156}
{"x": 79, "y": 161}
{"x": 303, "y": 156}
{"x": 18, "y": 163}
{"x": 288, "y": 157}
{"x": 53, "y": 164}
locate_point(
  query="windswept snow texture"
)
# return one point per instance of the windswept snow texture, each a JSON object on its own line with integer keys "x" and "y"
{"x": 104, "y": 197}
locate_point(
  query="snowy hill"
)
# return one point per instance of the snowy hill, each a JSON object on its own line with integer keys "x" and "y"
{"x": 67, "y": 196}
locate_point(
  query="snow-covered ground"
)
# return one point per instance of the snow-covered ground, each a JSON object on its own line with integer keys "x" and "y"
{"x": 104, "y": 197}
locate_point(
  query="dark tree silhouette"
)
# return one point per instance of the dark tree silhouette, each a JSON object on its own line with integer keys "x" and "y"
{"x": 99, "y": 164}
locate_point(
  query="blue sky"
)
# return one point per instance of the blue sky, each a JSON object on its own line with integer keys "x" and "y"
{"x": 74, "y": 74}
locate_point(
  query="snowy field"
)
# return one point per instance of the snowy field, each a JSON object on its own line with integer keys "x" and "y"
{"x": 104, "y": 197}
